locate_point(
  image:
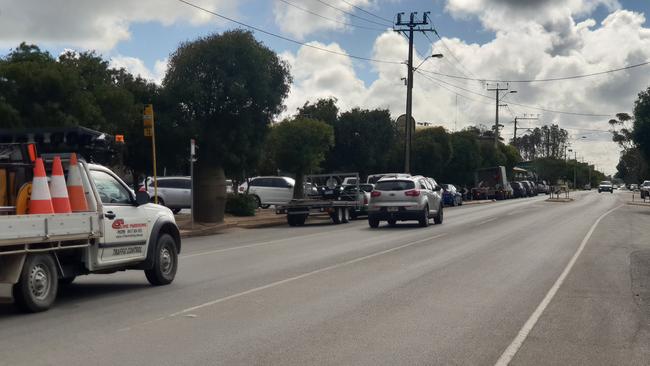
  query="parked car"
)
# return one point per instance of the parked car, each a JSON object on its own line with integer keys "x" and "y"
{"x": 606, "y": 186}
{"x": 405, "y": 198}
{"x": 634, "y": 187}
{"x": 269, "y": 190}
{"x": 451, "y": 196}
{"x": 543, "y": 188}
{"x": 528, "y": 187}
{"x": 173, "y": 192}
{"x": 518, "y": 190}
{"x": 350, "y": 180}
{"x": 645, "y": 189}
{"x": 359, "y": 193}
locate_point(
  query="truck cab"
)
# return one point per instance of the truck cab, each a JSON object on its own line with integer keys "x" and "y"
{"x": 119, "y": 231}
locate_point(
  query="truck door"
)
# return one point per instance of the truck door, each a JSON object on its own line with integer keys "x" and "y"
{"x": 126, "y": 226}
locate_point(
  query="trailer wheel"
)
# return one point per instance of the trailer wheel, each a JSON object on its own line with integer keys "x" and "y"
{"x": 346, "y": 215}
{"x": 337, "y": 216}
{"x": 38, "y": 284}
{"x": 165, "y": 263}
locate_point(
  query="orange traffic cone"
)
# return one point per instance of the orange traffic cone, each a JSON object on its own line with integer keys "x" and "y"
{"x": 40, "y": 201}
{"x": 75, "y": 187}
{"x": 58, "y": 190}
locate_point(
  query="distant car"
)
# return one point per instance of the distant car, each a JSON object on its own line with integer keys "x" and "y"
{"x": 269, "y": 190}
{"x": 587, "y": 187}
{"x": 645, "y": 189}
{"x": 634, "y": 187}
{"x": 173, "y": 192}
{"x": 451, "y": 196}
{"x": 405, "y": 198}
{"x": 542, "y": 187}
{"x": 530, "y": 192}
{"x": 605, "y": 186}
{"x": 350, "y": 180}
{"x": 518, "y": 190}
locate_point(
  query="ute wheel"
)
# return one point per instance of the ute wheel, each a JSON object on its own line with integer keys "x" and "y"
{"x": 424, "y": 220}
{"x": 66, "y": 280}
{"x": 438, "y": 218}
{"x": 165, "y": 262}
{"x": 38, "y": 284}
{"x": 373, "y": 223}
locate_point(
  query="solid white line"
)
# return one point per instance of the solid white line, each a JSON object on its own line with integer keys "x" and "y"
{"x": 516, "y": 344}
{"x": 287, "y": 280}
{"x": 486, "y": 221}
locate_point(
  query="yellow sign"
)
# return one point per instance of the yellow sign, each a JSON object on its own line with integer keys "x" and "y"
{"x": 147, "y": 116}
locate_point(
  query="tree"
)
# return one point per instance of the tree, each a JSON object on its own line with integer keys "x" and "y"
{"x": 465, "y": 159}
{"x": 226, "y": 90}
{"x": 641, "y": 133}
{"x": 547, "y": 141}
{"x": 431, "y": 151}
{"x": 323, "y": 110}
{"x": 299, "y": 146}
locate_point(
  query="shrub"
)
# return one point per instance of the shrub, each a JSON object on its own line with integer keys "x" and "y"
{"x": 241, "y": 205}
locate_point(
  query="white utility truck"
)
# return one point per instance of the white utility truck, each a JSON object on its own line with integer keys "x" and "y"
{"x": 120, "y": 231}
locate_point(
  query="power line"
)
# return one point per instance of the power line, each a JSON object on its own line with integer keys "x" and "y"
{"x": 452, "y": 53}
{"x": 286, "y": 38}
{"x": 447, "y": 59}
{"x": 522, "y": 105}
{"x": 330, "y": 19}
{"x": 367, "y": 12}
{"x": 352, "y": 14}
{"x": 572, "y": 77}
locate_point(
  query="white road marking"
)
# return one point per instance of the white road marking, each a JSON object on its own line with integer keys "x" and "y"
{"x": 281, "y": 282}
{"x": 516, "y": 344}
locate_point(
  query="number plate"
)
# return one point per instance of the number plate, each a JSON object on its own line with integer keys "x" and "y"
{"x": 329, "y": 192}
{"x": 393, "y": 209}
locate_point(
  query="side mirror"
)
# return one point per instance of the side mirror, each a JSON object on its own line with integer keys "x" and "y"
{"x": 142, "y": 198}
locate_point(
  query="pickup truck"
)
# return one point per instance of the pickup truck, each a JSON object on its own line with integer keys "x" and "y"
{"x": 120, "y": 231}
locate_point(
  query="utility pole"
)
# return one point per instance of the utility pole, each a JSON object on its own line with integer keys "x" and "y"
{"x": 497, "y": 105}
{"x": 409, "y": 28}
{"x": 520, "y": 119}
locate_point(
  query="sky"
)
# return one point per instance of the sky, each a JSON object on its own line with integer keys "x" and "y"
{"x": 480, "y": 40}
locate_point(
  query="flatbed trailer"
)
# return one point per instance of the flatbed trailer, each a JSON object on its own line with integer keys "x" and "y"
{"x": 339, "y": 208}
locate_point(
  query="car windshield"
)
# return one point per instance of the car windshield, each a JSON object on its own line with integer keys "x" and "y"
{"x": 606, "y": 183}
{"x": 394, "y": 185}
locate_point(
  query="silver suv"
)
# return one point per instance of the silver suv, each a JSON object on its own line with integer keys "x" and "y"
{"x": 405, "y": 198}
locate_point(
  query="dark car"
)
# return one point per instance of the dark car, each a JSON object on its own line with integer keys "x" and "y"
{"x": 528, "y": 188}
{"x": 451, "y": 196}
{"x": 518, "y": 190}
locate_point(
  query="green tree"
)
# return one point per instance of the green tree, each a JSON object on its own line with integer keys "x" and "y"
{"x": 226, "y": 89}
{"x": 466, "y": 158}
{"x": 641, "y": 133}
{"x": 299, "y": 146}
{"x": 432, "y": 151}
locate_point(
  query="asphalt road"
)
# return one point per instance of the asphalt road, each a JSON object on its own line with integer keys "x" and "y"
{"x": 452, "y": 294}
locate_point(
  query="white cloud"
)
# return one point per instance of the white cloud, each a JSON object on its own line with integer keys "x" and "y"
{"x": 93, "y": 24}
{"x": 137, "y": 67}
{"x": 297, "y": 17}
{"x": 534, "y": 50}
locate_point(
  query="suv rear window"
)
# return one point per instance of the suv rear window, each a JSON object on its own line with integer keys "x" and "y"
{"x": 394, "y": 185}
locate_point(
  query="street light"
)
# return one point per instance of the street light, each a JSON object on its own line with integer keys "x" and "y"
{"x": 435, "y": 55}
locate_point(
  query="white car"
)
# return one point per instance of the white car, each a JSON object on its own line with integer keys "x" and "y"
{"x": 405, "y": 198}
{"x": 269, "y": 190}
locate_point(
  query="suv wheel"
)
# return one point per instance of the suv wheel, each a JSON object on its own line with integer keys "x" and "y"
{"x": 424, "y": 220}
{"x": 438, "y": 218}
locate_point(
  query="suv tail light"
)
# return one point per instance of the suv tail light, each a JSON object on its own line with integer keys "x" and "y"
{"x": 412, "y": 193}
{"x": 375, "y": 194}
{"x": 365, "y": 200}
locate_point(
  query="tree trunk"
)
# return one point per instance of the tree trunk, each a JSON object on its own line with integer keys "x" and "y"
{"x": 299, "y": 188}
{"x": 210, "y": 193}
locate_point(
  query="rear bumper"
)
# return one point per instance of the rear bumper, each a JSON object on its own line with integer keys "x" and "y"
{"x": 402, "y": 214}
